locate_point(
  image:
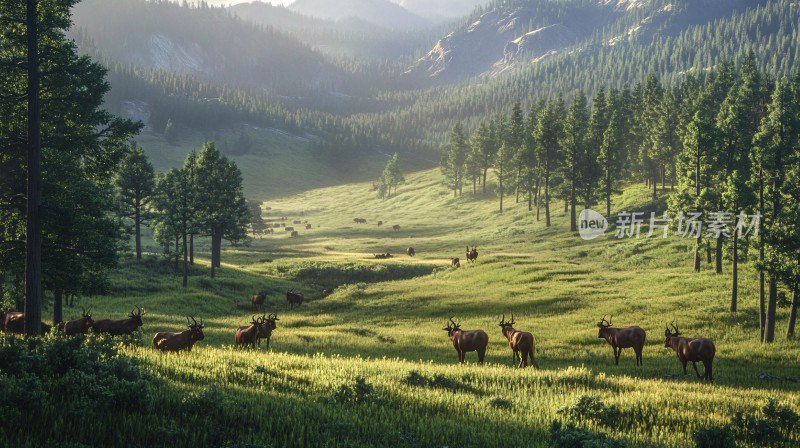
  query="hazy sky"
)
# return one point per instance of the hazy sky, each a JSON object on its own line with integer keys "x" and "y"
{"x": 233, "y": 2}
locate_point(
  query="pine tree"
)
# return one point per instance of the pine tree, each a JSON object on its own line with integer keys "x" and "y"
{"x": 575, "y": 142}
{"x": 136, "y": 183}
{"x": 610, "y": 158}
{"x": 547, "y": 137}
{"x": 503, "y": 162}
{"x": 221, "y": 208}
{"x": 453, "y": 159}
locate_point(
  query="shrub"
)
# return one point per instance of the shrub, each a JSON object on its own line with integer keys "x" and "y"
{"x": 590, "y": 409}
{"x": 361, "y": 392}
{"x": 571, "y": 436}
{"x": 718, "y": 437}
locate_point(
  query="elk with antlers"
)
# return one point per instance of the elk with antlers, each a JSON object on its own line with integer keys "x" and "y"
{"x": 294, "y": 298}
{"x": 8, "y": 317}
{"x": 249, "y": 334}
{"x": 410, "y": 251}
{"x": 257, "y": 300}
{"x": 268, "y": 326}
{"x": 173, "y": 342}
{"x": 691, "y": 349}
{"x": 521, "y": 342}
{"x": 467, "y": 340}
{"x": 120, "y": 327}
{"x": 78, "y": 326}
{"x": 472, "y": 255}
{"x": 619, "y": 338}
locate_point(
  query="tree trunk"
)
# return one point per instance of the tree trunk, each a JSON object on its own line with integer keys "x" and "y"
{"x": 547, "y": 194}
{"x": 538, "y": 202}
{"x": 519, "y": 173}
{"x": 655, "y": 184}
{"x": 500, "y": 185}
{"x": 485, "y": 169}
{"x": 177, "y": 253}
{"x": 33, "y": 233}
{"x": 772, "y": 304}
{"x": 137, "y": 222}
{"x": 191, "y": 249}
{"x": 793, "y": 313}
{"x": 708, "y": 252}
{"x": 735, "y": 282}
{"x": 216, "y": 248}
{"x": 185, "y": 259}
{"x": 718, "y": 254}
{"x": 663, "y": 179}
{"x": 762, "y": 315}
{"x": 530, "y": 200}
{"x": 573, "y": 221}
{"x": 608, "y": 194}
{"x": 566, "y": 206}
{"x": 474, "y": 186}
{"x": 697, "y": 250}
{"x": 58, "y": 306}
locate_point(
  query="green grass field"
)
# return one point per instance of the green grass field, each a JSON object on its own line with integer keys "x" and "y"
{"x": 384, "y": 324}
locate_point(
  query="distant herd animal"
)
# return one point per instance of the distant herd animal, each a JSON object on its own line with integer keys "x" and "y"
{"x": 294, "y": 298}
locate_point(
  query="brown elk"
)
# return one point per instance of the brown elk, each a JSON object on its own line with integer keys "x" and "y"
{"x": 455, "y": 262}
{"x": 15, "y": 323}
{"x": 173, "y": 342}
{"x": 288, "y": 229}
{"x": 467, "y": 340}
{"x": 521, "y": 342}
{"x": 8, "y": 316}
{"x": 396, "y": 227}
{"x": 257, "y": 300}
{"x": 308, "y": 226}
{"x": 80, "y": 325}
{"x": 472, "y": 255}
{"x": 619, "y": 338}
{"x": 410, "y": 252}
{"x": 383, "y": 256}
{"x": 120, "y": 327}
{"x": 692, "y": 349}
{"x": 249, "y": 334}
{"x": 296, "y": 222}
{"x": 294, "y": 234}
{"x": 268, "y": 326}
{"x": 294, "y": 298}
{"x": 380, "y": 223}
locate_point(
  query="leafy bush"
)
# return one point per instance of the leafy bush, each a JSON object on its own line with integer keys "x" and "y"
{"x": 776, "y": 424}
{"x": 720, "y": 437}
{"x": 361, "y": 392}
{"x": 590, "y": 409}
{"x": 571, "y": 436}
{"x": 84, "y": 378}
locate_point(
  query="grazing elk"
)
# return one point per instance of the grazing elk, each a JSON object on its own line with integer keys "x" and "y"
{"x": 396, "y": 227}
{"x": 383, "y": 256}
{"x": 294, "y": 234}
{"x": 619, "y": 338}
{"x": 410, "y": 252}
{"x": 120, "y": 327}
{"x": 173, "y": 342}
{"x": 455, "y": 262}
{"x": 294, "y": 298}
{"x": 268, "y": 326}
{"x": 8, "y": 316}
{"x": 296, "y": 222}
{"x": 15, "y": 323}
{"x": 380, "y": 223}
{"x": 288, "y": 229}
{"x": 257, "y": 300}
{"x": 308, "y": 226}
{"x": 472, "y": 255}
{"x": 521, "y": 343}
{"x": 79, "y": 326}
{"x": 692, "y": 349}
{"x": 467, "y": 340}
{"x": 249, "y": 334}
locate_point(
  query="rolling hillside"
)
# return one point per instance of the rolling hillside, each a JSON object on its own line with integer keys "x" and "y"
{"x": 383, "y": 324}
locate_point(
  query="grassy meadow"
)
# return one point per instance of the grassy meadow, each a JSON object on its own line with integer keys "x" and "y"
{"x": 370, "y": 365}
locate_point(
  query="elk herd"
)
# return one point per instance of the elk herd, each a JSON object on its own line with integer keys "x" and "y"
{"x": 521, "y": 343}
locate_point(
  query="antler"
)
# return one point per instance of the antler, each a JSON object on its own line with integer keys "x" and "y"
{"x": 188, "y": 324}
{"x": 603, "y": 322}
{"x": 512, "y": 319}
{"x": 503, "y": 319}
